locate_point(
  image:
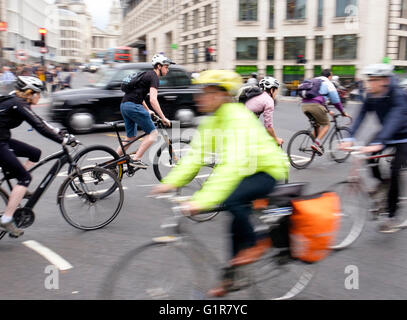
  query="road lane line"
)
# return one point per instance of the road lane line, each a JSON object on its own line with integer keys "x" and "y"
{"x": 49, "y": 255}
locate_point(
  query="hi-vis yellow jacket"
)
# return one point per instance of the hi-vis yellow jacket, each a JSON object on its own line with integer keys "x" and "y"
{"x": 242, "y": 147}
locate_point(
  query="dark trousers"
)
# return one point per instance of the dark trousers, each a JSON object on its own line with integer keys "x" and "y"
{"x": 394, "y": 191}
{"x": 239, "y": 204}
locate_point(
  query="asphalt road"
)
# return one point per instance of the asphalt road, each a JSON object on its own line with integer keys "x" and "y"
{"x": 380, "y": 259}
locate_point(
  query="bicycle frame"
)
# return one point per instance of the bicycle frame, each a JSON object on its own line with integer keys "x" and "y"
{"x": 315, "y": 128}
{"x": 62, "y": 157}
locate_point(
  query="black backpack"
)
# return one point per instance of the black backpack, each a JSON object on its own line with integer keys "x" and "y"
{"x": 248, "y": 93}
{"x": 130, "y": 82}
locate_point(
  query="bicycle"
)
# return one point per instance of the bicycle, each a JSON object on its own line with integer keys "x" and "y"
{"x": 166, "y": 157}
{"x": 299, "y": 148}
{"x": 179, "y": 266}
{"x": 356, "y": 201}
{"x": 88, "y": 186}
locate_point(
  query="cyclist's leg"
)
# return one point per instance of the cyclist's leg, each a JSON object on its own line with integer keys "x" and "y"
{"x": 320, "y": 115}
{"x": 25, "y": 150}
{"x": 129, "y": 124}
{"x": 394, "y": 191}
{"x": 238, "y": 203}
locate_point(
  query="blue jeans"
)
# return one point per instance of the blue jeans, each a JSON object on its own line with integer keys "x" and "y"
{"x": 239, "y": 204}
{"x": 135, "y": 115}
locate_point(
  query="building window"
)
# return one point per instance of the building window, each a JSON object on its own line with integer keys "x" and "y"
{"x": 247, "y": 10}
{"x": 270, "y": 71}
{"x": 293, "y": 74}
{"x": 341, "y": 6}
{"x": 271, "y": 21}
{"x": 320, "y": 18}
{"x": 296, "y": 9}
{"x": 246, "y": 48}
{"x": 319, "y": 47}
{"x": 404, "y": 9}
{"x": 402, "y": 48}
{"x": 246, "y": 70}
{"x": 270, "y": 48}
{"x": 317, "y": 71}
{"x": 196, "y": 53}
{"x": 196, "y": 19}
{"x": 293, "y": 46}
{"x": 345, "y": 47}
{"x": 185, "y": 22}
{"x": 208, "y": 15}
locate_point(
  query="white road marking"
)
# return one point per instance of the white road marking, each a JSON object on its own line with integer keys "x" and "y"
{"x": 302, "y": 159}
{"x": 48, "y": 254}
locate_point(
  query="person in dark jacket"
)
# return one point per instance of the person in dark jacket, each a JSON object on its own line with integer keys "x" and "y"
{"x": 14, "y": 110}
{"x": 389, "y": 102}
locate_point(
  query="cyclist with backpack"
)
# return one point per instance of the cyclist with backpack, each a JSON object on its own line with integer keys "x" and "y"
{"x": 250, "y": 164}
{"x": 262, "y": 101}
{"x": 135, "y": 111}
{"x": 316, "y": 93}
{"x": 14, "y": 109}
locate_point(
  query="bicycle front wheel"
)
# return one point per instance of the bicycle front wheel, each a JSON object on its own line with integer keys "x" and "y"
{"x": 98, "y": 155}
{"x": 156, "y": 271}
{"x": 354, "y": 208}
{"x": 337, "y": 137}
{"x": 88, "y": 205}
{"x": 299, "y": 149}
{"x": 3, "y": 205}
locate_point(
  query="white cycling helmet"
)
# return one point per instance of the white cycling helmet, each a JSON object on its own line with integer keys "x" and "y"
{"x": 379, "y": 70}
{"x": 26, "y": 82}
{"x": 268, "y": 83}
{"x": 161, "y": 59}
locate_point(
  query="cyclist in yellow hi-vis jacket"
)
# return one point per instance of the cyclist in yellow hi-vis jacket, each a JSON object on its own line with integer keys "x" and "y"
{"x": 249, "y": 163}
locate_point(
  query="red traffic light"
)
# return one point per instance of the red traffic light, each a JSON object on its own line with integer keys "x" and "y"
{"x": 42, "y": 30}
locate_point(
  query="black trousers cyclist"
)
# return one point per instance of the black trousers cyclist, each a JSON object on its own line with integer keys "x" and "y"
{"x": 399, "y": 159}
{"x": 9, "y": 151}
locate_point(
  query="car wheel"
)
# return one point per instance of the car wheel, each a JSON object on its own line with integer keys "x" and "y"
{"x": 185, "y": 116}
{"x": 80, "y": 121}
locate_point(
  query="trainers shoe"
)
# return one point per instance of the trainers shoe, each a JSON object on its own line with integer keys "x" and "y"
{"x": 12, "y": 229}
{"x": 390, "y": 226}
{"x": 138, "y": 164}
{"x": 317, "y": 149}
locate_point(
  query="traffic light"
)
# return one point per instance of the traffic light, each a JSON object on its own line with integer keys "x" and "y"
{"x": 301, "y": 59}
{"x": 41, "y": 43}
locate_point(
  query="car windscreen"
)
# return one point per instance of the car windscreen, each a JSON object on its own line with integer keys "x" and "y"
{"x": 112, "y": 76}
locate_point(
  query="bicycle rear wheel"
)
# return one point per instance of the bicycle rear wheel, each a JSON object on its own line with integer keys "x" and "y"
{"x": 3, "y": 205}
{"x": 155, "y": 271}
{"x": 299, "y": 149}
{"x": 88, "y": 205}
{"x": 336, "y": 154}
{"x": 354, "y": 208}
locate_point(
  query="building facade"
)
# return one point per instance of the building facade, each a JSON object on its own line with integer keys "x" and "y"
{"x": 269, "y": 37}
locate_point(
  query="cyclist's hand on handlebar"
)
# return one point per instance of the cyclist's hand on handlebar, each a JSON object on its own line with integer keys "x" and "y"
{"x": 373, "y": 148}
{"x": 280, "y": 141}
{"x": 166, "y": 122}
{"x": 190, "y": 208}
{"x": 70, "y": 140}
{"x": 163, "y": 188}
{"x": 344, "y": 146}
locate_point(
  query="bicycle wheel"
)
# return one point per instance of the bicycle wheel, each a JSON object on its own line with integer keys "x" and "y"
{"x": 3, "y": 205}
{"x": 279, "y": 277}
{"x": 354, "y": 208}
{"x": 165, "y": 160}
{"x": 98, "y": 155}
{"x": 299, "y": 149}
{"x": 156, "y": 271}
{"x": 336, "y": 154}
{"x": 88, "y": 206}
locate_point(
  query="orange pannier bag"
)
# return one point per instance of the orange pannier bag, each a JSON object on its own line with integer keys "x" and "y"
{"x": 313, "y": 226}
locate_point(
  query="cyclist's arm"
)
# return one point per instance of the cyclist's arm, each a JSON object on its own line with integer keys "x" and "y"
{"x": 395, "y": 120}
{"x": 38, "y": 123}
{"x": 332, "y": 93}
{"x": 146, "y": 107}
{"x": 268, "y": 120}
{"x": 154, "y": 102}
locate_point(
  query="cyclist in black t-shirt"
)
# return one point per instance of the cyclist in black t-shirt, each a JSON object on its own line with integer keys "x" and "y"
{"x": 135, "y": 111}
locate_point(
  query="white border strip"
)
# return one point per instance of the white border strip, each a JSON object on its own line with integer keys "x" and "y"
{"x": 48, "y": 254}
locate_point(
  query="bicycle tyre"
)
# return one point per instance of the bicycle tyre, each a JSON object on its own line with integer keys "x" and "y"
{"x": 354, "y": 209}
{"x": 149, "y": 272}
{"x": 98, "y": 175}
{"x": 4, "y": 198}
{"x": 111, "y": 154}
{"x": 159, "y": 173}
{"x": 303, "y": 148}
{"x": 338, "y": 136}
